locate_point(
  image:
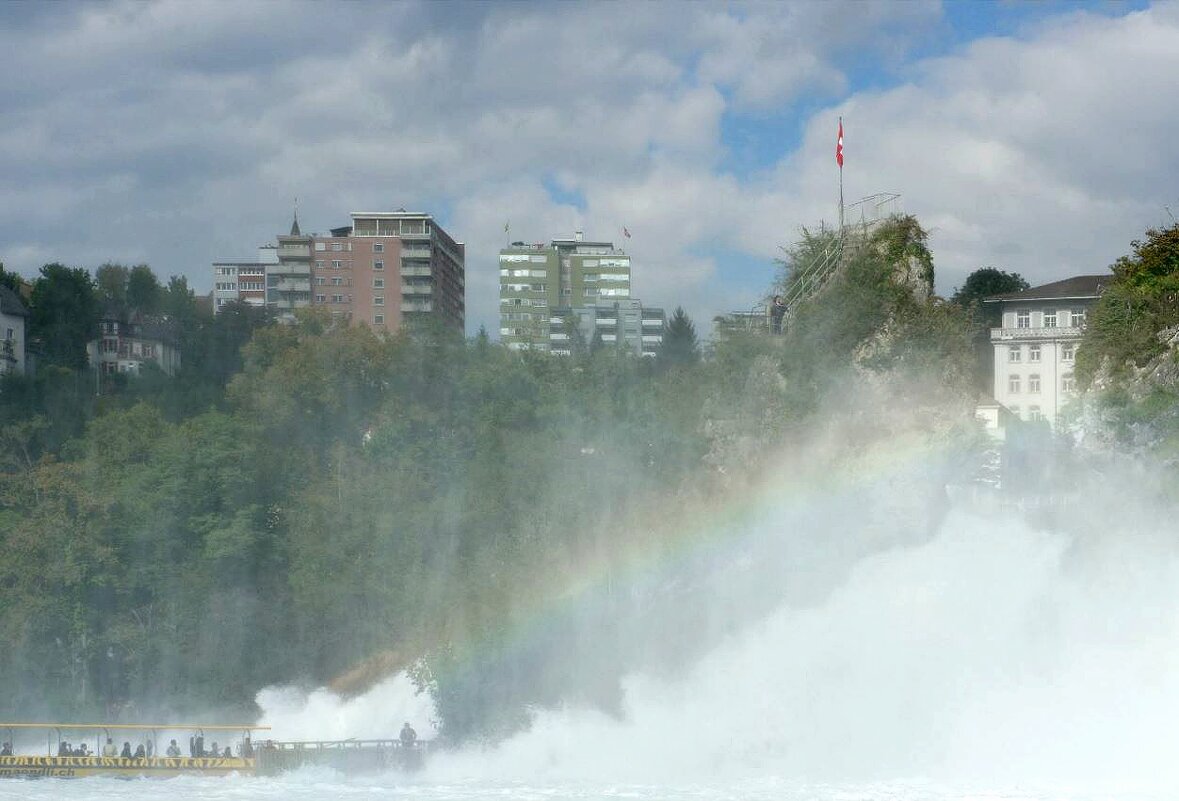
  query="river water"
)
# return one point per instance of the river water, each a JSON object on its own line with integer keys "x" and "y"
{"x": 326, "y": 786}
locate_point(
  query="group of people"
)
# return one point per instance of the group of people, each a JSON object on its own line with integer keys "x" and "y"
{"x": 142, "y": 751}
{"x": 68, "y": 749}
{"x": 196, "y": 748}
{"x": 6, "y": 749}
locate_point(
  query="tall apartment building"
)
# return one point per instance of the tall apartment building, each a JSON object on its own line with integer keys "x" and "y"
{"x": 288, "y": 283}
{"x": 242, "y": 280}
{"x": 390, "y": 268}
{"x": 1035, "y": 347}
{"x": 536, "y": 281}
{"x": 383, "y": 270}
{"x": 279, "y": 277}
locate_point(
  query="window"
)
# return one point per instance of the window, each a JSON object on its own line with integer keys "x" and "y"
{"x": 378, "y": 319}
{"x": 378, "y": 265}
{"x": 1068, "y": 383}
{"x": 1034, "y": 383}
{"x": 378, "y": 283}
{"x": 320, "y": 246}
{"x": 337, "y": 246}
{"x": 1078, "y": 318}
{"x": 337, "y": 298}
{"x": 319, "y": 264}
{"x": 379, "y": 300}
{"x": 320, "y": 298}
{"x": 337, "y": 281}
{"x": 320, "y": 280}
{"x": 1049, "y": 318}
{"x": 1033, "y": 353}
{"x": 1013, "y": 384}
{"x": 379, "y": 247}
{"x": 337, "y": 264}
{"x": 1068, "y": 351}
{"x": 1034, "y": 414}
{"x": 1023, "y": 319}
{"x": 1014, "y": 353}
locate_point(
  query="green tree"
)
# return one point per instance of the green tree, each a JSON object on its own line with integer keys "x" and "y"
{"x": 10, "y": 280}
{"x": 64, "y": 315}
{"x": 984, "y": 283}
{"x": 110, "y": 285}
{"x": 1141, "y": 301}
{"x": 144, "y": 293}
{"x": 679, "y": 340}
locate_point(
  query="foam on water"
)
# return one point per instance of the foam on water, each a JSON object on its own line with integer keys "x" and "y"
{"x": 296, "y": 714}
{"x": 992, "y": 656}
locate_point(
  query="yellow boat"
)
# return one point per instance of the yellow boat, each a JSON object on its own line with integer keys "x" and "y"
{"x": 57, "y": 764}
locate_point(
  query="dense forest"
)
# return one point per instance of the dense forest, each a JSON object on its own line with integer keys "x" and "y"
{"x": 323, "y": 505}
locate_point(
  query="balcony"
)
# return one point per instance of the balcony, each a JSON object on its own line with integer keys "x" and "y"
{"x": 1004, "y": 334}
{"x": 417, "y": 289}
{"x": 416, "y": 270}
{"x": 291, "y": 268}
{"x": 291, "y": 286}
{"x": 415, "y": 253}
{"x": 419, "y": 306}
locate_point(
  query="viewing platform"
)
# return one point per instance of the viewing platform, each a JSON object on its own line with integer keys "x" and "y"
{"x": 346, "y": 756}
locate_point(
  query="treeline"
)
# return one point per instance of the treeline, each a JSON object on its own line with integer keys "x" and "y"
{"x": 1129, "y": 359}
{"x": 66, "y": 305}
{"x": 309, "y": 502}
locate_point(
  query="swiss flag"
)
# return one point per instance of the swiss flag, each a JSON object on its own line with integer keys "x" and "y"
{"x": 839, "y": 145}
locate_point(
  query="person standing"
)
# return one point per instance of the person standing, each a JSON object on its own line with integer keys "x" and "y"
{"x": 408, "y": 736}
{"x": 777, "y": 312}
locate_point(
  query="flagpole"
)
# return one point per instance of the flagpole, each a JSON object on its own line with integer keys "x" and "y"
{"x": 841, "y": 180}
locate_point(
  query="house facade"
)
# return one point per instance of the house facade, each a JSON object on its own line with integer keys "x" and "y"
{"x": 1035, "y": 345}
{"x": 13, "y": 327}
{"x": 127, "y": 345}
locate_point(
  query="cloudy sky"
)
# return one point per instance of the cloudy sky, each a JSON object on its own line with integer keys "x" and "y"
{"x": 1036, "y": 138}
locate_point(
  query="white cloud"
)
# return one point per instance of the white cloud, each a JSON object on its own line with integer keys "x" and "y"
{"x": 179, "y": 133}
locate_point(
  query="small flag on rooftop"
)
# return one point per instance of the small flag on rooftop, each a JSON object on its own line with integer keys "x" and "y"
{"x": 506, "y": 226}
{"x": 625, "y": 232}
{"x": 839, "y": 144}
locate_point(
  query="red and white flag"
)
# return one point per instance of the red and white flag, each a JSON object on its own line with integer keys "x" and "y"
{"x": 839, "y": 145}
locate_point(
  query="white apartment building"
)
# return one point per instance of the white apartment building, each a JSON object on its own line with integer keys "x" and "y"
{"x": 1035, "y": 346}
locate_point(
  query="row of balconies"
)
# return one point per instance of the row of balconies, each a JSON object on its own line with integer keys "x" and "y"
{"x": 1069, "y": 332}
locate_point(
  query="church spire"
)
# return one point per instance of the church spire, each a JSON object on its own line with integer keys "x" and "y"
{"x": 295, "y": 225}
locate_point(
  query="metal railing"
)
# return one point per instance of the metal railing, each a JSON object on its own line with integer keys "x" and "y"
{"x": 1064, "y": 332}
